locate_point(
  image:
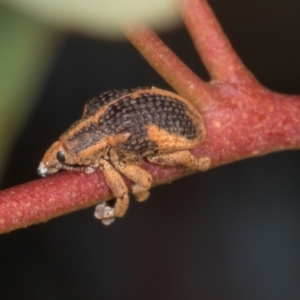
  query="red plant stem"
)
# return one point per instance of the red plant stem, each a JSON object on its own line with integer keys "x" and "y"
{"x": 242, "y": 119}
{"x": 43, "y": 199}
{"x": 237, "y": 127}
{"x": 246, "y": 122}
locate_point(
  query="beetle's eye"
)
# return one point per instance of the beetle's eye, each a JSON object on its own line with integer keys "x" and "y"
{"x": 60, "y": 155}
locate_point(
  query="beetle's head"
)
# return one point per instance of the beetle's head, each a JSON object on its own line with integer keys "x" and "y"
{"x": 78, "y": 149}
{"x": 57, "y": 158}
{"x": 52, "y": 160}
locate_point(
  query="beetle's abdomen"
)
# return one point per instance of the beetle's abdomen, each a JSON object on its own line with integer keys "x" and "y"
{"x": 134, "y": 114}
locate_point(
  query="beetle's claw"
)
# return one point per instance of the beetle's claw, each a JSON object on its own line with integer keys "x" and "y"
{"x": 203, "y": 163}
{"x": 104, "y": 213}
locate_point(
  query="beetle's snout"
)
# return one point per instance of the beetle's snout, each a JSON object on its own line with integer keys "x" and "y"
{"x": 43, "y": 170}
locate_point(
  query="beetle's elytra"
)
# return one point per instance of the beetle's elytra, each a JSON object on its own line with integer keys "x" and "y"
{"x": 117, "y": 131}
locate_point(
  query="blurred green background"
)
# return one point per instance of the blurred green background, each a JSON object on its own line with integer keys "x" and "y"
{"x": 26, "y": 49}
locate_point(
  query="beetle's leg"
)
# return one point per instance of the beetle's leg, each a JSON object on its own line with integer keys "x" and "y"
{"x": 140, "y": 177}
{"x": 119, "y": 190}
{"x": 181, "y": 158}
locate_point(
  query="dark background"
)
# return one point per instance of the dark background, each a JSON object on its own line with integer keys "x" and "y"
{"x": 230, "y": 233}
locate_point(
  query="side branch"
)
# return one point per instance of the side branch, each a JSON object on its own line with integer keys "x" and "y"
{"x": 182, "y": 79}
{"x": 211, "y": 43}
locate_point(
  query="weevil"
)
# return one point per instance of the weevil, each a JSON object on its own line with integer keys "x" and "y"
{"x": 121, "y": 128}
